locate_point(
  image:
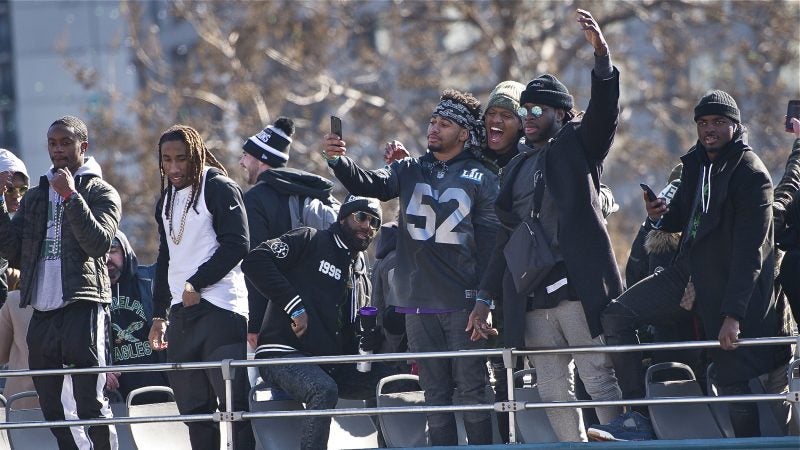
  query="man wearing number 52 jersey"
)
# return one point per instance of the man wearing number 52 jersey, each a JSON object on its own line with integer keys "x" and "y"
{"x": 446, "y": 232}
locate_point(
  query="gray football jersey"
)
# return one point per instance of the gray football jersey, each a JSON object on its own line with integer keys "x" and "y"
{"x": 444, "y": 209}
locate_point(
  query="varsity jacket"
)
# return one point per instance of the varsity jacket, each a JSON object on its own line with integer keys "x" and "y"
{"x": 90, "y": 221}
{"x": 446, "y": 228}
{"x": 267, "y": 205}
{"x": 223, "y": 199}
{"x": 312, "y": 270}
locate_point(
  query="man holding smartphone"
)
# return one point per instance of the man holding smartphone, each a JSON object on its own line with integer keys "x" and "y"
{"x": 446, "y": 231}
{"x": 723, "y": 207}
{"x": 787, "y": 224}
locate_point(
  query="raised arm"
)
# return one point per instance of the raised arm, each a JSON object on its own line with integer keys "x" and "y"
{"x": 599, "y": 124}
{"x": 381, "y": 184}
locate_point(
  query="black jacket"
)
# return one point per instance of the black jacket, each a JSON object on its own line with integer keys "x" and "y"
{"x": 88, "y": 228}
{"x": 267, "y": 205}
{"x": 312, "y": 270}
{"x": 651, "y": 251}
{"x": 574, "y": 162}
{"x": 230, "y": 226}
{"x": 731, "y": 253}
{"x": 787, "y": 228}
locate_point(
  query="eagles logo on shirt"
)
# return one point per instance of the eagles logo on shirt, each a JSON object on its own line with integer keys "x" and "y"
{"x": 279, "y": 248}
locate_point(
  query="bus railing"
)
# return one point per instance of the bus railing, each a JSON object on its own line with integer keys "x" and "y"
{"x": 508, "y": 355}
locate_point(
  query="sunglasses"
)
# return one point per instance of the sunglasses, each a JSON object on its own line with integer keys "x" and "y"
{"x": 18, "y": 191}
{"x": 535, "y": 111}
{"x": 361, "y": 217}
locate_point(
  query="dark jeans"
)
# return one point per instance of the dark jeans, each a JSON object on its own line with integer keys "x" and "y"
{"x": 440, "y": 378}
{"x": 205, "y": 332}
{"x": 651, "y": 301}
{"x": 320, "y": 387}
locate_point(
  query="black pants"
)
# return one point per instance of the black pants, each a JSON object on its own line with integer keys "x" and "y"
{"x": 205, "y": 332}
{"x": 789, "y": 279}
{"x": 74, "y": 336}
{"x": 651, "y": 301}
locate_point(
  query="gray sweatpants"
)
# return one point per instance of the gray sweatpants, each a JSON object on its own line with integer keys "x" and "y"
{"x": 562, "y": 326}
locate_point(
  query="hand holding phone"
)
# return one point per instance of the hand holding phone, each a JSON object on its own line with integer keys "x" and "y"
{"x": 336, "y": 126}
{"x": 651, "y": 196}
{"x": 792, "y": 110}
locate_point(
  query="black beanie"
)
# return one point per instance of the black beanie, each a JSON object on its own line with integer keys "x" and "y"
{"x": 547, "y": 90}
{"x": 717, "y": 103}
{"x": 354, "y": 203}
{"x": 271, "y": 145}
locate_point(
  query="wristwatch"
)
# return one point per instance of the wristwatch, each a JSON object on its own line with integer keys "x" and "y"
{"x": 188, "y": 287}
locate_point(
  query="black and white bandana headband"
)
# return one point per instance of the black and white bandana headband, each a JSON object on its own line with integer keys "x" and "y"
{"x": 459, "y": 114}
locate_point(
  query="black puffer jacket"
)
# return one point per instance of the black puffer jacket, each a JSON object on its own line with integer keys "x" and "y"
{"x": 90, "y": 222}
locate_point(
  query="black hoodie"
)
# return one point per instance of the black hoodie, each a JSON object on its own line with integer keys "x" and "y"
{"x": 267, "y": 206}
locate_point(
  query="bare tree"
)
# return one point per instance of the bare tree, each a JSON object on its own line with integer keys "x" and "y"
{"x": 229, "y": 68}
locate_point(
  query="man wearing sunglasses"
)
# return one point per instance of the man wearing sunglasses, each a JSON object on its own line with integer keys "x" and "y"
{"x": 559, "y": 167}
{"x": 15, "y": 176}
{"x": 316, "y": 281}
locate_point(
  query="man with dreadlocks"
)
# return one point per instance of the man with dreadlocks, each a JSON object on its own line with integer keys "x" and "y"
{"x": 447, "y": 228}
{"x": 204, "y": 236}
{"x": 59, "y": 238}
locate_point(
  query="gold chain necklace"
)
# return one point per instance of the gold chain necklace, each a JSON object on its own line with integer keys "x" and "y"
{"x": 177, "y": 240}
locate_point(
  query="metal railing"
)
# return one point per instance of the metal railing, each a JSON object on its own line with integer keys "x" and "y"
{"x": 508, "y": 355}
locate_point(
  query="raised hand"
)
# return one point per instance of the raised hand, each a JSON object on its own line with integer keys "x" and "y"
{"x": 63, "y": 183}
{"x": 333, "y": 147}
{"x": 592, "y": 32}
{"x": 394, "y": 151}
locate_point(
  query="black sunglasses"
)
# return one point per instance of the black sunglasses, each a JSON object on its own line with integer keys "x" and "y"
{"x": 361, "y": 217}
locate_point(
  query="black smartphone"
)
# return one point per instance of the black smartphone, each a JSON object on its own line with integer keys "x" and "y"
{"x": 651, "y": 196}
{"x": 793, "y": 110}
{"x": 336, "y": 126}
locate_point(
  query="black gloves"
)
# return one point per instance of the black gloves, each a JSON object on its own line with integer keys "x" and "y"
{"x": 371, "y": 340}
{"x": 393, "y": 322}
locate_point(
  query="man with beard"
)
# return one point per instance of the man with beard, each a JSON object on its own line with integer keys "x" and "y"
{"x": 315, "y": 291}
{"x": 447, "y": 230}
{"x": 277, "y": 191}
{"x": 558, "y": 174}
{"x": 131, "y": 317}
{"x": 723, "y": 208}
